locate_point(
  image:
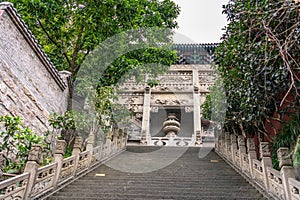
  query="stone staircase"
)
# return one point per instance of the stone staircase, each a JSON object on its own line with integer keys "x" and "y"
{"x": 187, "y": 177}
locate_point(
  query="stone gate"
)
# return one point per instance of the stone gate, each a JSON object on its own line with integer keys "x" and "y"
{"x": 180, "y": 93}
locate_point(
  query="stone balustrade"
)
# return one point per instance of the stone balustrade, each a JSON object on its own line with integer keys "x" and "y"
{"x": 276, "y": 184}
{"x": 37, "y": 182}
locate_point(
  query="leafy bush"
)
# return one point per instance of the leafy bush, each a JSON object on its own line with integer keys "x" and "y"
{"x": 287, "y": 138}
{"x": 16, "y": 141}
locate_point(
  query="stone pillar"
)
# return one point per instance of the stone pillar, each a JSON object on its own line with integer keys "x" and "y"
{"x": 124, "y": 138}
{"x": 233, "y": 147}
{"x": 76, "y": 151}
{"x": 197, "y": 117}
{"x": 146, "y": 137}
{"x": 108, "y": 143}
{"x": 242, "y": 149}
{"x": 251, "y": 153}
{"x": 115, "y": 140}
{"x": 286, "y": 169}
{"x": 266, "y": 161}
{"x": 222, "y": 143}
{"x": 120, "y": 140}
{"x": 90, "y": 142}
{"x": 90, "y": 146}
{"x": 2, "y": 164}
{"x": 34, "y": 158}
{"x": 228, "y": 146}
{"x": 58, "y": 158}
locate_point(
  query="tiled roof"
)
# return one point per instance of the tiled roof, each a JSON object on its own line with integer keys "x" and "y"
{"x": 20, "y": 24}
{"x": 195, "y": 53}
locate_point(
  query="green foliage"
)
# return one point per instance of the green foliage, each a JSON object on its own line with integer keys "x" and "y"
{"x": 258, "y": 62}
{"x": 17, "y": 141}
{"x": 69, "y": 124}
{"x": 215, "y": 105}
{"x": 296, "y": 154}
{"x": 206, "y": 107}
{"x": 288, "y": 138}
{"x": 70, "y": 30}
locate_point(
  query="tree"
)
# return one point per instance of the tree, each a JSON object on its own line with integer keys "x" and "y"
{"x": 258, "y": 62}
{"x": 69, "y": 30}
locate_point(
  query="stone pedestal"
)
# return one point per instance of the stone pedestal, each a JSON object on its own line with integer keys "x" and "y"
{"x": 171, "y": 125}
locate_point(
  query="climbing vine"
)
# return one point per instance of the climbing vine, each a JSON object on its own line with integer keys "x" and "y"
{"x": 258, "y": 62}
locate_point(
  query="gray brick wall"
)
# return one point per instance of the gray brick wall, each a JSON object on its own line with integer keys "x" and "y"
{"x": 27, "y": 88}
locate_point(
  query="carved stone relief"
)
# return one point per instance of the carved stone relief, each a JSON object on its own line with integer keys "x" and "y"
{"x": 173, "y": 88}
{"x": 265, "y": 149}
{"x": 134, "y": 132}
{"x": 35, "y": 153}
{"x": 206, "y": 79}
{"x": 154, "y": 109}
{"x": 175, "y": 79}
{"x": 188, "y": 109}
{"x": 138, "y": 117}
{"x": 250, "y": 144}
{"x": 172, "y": 99}
{"x": 283, "y": 157}
{"x": 135, "y": 107}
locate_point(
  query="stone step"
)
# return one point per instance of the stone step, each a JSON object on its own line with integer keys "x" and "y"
{"x": 188, "y": 177}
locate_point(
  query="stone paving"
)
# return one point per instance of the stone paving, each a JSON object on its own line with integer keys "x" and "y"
{"x": 161, "y": 173}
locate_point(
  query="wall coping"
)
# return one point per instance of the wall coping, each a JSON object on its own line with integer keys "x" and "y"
{"x": 20, "y": 24}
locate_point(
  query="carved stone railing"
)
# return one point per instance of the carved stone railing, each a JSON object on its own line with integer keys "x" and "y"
{"x": 14, "y": 188}
{"x": 274, "y": 184}
{"x": 67, "y": 170}
{"x": 258, "y": 175}
{"x": 294, "y": 189}
{"x": 37, "y": 182}
{"x": 44, "y": 180}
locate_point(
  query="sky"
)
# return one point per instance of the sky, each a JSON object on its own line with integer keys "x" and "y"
{"x": 200, "y": 21}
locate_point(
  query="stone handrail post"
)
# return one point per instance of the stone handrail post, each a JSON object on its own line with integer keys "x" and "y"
{"x": 58, "y": 158}
{"x": 34, "y": 158}
{"x": 251, "y": 153}
{"x": 228, "y": 146}
{"x": 2, "y": 164}
{"x": 234, "y": 147}
{"x": 286, "y": 169}
{"x": 76, "y": 151}
{"x": 90, "y": 146}
{"x": 221, "y": 142}
{"x": 242, "y": 149}
{"x": 108, "y": 142}
{"x": 90, "y": 142}
{"x": 115, "y": 140}
{"x": 266, "y": 161}
{"x": 121, "y": 136}
{"x": 125, "y": 138}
